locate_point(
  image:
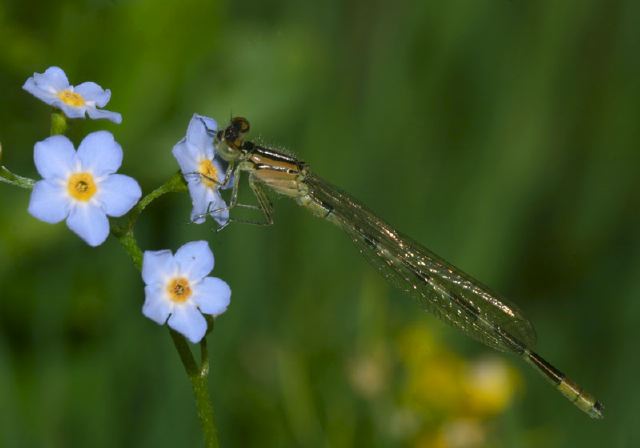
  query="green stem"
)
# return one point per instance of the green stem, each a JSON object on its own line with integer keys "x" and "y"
{"x": 59, "y": 123}
{"x": 198, "y": 377}
{"x": 175, "y": 184}
{"x": 10, "y": 178}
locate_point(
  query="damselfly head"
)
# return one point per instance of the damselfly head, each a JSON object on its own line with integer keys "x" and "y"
{"x": 230, "y": 140}
{"x": 235, "y": 131}
{"x": 241, "y": 124}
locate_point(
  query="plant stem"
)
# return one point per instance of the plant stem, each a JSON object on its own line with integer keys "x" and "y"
{"x": 10, "y": 178}
{"x": 198, "y": 377}
{"x": 58, "y": 123}
{"x": 174, "y": 184}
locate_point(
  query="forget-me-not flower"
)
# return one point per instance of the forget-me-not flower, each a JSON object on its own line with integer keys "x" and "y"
{"x": 202, "y": 170}
{"x": 82, "y": 186}
{"x": 178, "y": 291}
{"x": 53, "y": 88}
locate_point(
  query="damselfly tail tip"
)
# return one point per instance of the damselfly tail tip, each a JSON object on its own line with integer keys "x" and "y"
{"x": 574, "y": 393}
{"x": 597, "y": 410}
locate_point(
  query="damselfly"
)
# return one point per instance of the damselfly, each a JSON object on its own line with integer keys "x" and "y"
{"x": 450, "y": 294}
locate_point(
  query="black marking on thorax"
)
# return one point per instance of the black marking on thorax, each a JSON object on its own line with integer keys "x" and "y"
{"x": 274, "y": 155}
{"x": 271, "y": 160}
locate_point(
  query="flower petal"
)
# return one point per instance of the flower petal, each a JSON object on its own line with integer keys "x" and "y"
{"x": 156, "y": 305}
{"x": 97, "y": 114}
{"x": 221, "y": 173}
{"x": 200, "y": 134}
{"x": 207, "y": 201}
{"x": 187, "y": 156}
{"x": 100, "y": 153}
{"x": 92, "y": 92}
{"x": 198, "y": 193}
{"x": 118, "y": 194}
{"x": 218, "y": 208}
{"x": 212, "y": 295}
{"x": 158, "y": 266}
{"x": 195, "y": 260}
{"x": 55, "y": 157}
{"x": 42, "y": 94}
{"x": 53, "y": 79}
{"x": 70, "y": 111}
{"x": 186, "y": 319}
{"x": 89, "y": 222}
{"x": 49, "y": 202}
{"x": 208, "y": 122}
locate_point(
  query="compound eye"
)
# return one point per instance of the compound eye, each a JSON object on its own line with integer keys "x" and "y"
{"x": 241, "y": 124}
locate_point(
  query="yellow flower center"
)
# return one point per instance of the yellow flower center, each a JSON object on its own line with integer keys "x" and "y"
{"x": 179, "y": 289}
{"x": 71, "y": 98}
{"x": 209, "y": 173}
{"x": 81, "y": 186}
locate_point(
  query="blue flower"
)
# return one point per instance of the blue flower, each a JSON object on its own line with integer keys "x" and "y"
{"x": 53, "y": 88}
{"x": 81, "y": 186}
{"x": 202, "y": 170}
{"x": 178, "y": 291}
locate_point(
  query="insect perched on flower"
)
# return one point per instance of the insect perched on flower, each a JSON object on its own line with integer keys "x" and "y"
{"x": 178, "y": 290}
{"x": 82, "y": 186}
{"x": 202, "y": 170}
{"x": 53, "y": 88}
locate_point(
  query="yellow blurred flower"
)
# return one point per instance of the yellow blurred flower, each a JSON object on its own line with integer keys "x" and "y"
{"x": 461, "y": 433}
{"x": 415, "y": 343}
{"x": 438, "y": 380}
{"x": 490, "y": 384}
{"x": 437, "y": 384}
{"x": 434, "y": 375}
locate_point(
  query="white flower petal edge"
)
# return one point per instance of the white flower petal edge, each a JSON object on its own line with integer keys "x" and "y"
{"x": 156, "y": 307}
{"x": 100, "y": 153}
{"x": 212, "y": 295}
{"x": 93, "y": 93}
{"x": 195, "y": 260}
{"x": 158, "y": 266}
{"x": 53, "y": 78}
{"x": 200, "y": 134}
{"x": 209, "y": 122}
{"x": 45, "y": 86}
{"x": 97, "y": 114}
{"x": 186, "y": 319}
{"x": 48, "y": 202}
{"x": 70, "y": 111}
{"x": 207, "y": 202}
{"x": 118, "y": 194}
{"x": 89, "y": 222}
{"x": 55, "y": 157}
{"x": 187, "y": 156}
{"x": 42, "y": 94}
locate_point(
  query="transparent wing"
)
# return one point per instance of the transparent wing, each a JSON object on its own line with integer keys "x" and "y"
{"x": 442, "y": 289}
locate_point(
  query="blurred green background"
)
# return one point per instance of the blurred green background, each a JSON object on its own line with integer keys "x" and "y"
{"x": 504, "y": 135}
